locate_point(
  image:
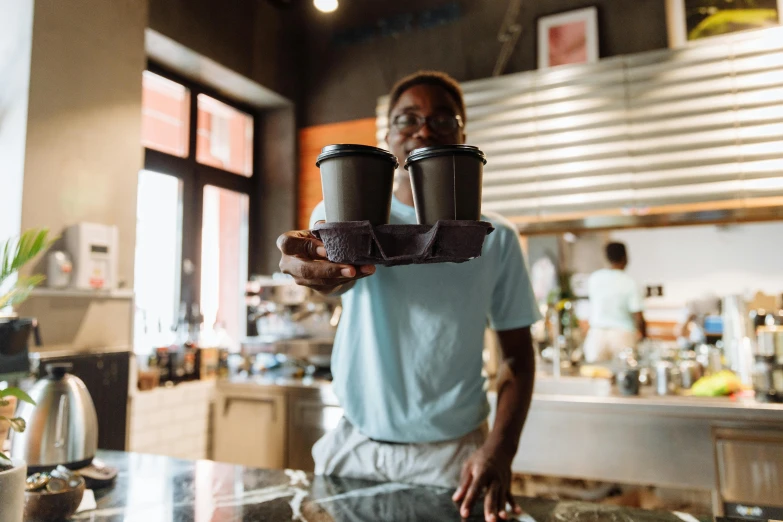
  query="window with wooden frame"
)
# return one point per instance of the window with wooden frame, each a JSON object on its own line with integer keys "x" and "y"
{"x": 194, "y": 207}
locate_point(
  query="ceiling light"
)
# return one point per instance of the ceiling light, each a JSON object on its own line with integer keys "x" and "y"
{"x": 325, "y": 6}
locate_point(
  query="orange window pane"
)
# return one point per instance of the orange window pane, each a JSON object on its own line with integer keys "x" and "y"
{"x": 165, "y": 113}
{"x": 225, "y": 137}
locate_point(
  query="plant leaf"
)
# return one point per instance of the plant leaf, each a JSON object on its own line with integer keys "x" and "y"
{"x": 19, "y": 394}
{"x": 15, "y": 254}
{"x": 40, "y": 242}
{"x": 18, "y": 253}
{"x": 3, "y": 455}
{"x": 5, "y": 263}
{"x": 21, "y": 290}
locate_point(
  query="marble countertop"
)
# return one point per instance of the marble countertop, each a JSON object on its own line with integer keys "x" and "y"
{"x": 154, "y": 488}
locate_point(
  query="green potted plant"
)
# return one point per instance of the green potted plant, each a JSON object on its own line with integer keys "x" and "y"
{"x": 12, "y": 472}
{"x": 14, "y": 254}
{"x": 14, "y": 336}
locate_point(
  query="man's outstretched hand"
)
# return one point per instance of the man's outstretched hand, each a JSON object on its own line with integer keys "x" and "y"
{"x": 487, "y": 472}
{"x": 304, "y": 258}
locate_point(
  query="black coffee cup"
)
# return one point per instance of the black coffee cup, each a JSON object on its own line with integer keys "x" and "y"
{"x": 446, "y": 182}
{"x": 357, "y": 183}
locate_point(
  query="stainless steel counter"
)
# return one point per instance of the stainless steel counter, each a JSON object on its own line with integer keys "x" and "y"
{"x": 717, "y": 408}
{"x": 645, "y": 440}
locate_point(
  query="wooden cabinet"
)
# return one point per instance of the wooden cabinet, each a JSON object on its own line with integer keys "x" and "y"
{"x": 250, "y": 428}
{"x": 271, "y": 426}
{"x": 311, "y": 413}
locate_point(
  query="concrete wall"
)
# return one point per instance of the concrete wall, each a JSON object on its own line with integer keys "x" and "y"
{"x": 16, "y": 26}
{"x": 343, "y": 82}
{"x": 252, "y": 38}
{"x": 698, "y": 261}
{"x": 587, "y": 254}
{"x": 83, "y": 150}
{"x": 692, "y": 262}
{"x": 276, "y": 191}
{"x": 222, "y": 31}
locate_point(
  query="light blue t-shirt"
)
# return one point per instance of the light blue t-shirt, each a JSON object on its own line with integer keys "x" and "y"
{"x": 613, "y": 296}
{"x": 407, "y": 356}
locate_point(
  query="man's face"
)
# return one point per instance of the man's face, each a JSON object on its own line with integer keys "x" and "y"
{"x": 443, "y": 126}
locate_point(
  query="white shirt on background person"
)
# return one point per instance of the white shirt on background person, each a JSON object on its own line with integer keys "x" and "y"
{"x": 614, "y": 298}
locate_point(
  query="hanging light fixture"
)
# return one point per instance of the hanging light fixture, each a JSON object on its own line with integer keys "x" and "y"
{"x": 326, "y": 6}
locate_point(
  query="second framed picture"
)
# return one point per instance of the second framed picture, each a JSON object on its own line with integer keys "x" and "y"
{"x": 568, "y": 38}
{"x": 690, "y": 20}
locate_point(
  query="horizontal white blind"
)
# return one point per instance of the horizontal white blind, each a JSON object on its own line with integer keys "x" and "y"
{"x": 694, "y": 125}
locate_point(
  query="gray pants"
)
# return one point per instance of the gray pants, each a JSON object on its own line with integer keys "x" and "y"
{"x": 346, "y": 452}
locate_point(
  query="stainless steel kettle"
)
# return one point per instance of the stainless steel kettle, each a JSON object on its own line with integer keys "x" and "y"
{"x": 62, "y": 427}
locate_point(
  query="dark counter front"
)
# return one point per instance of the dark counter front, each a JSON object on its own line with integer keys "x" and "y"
{"x": 153, "y": 488}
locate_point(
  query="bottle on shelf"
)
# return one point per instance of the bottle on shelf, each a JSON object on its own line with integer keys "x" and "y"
{"x": 190, "y": 348}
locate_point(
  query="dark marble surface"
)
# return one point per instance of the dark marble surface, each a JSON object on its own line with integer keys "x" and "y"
{"x": 153, "y": 488}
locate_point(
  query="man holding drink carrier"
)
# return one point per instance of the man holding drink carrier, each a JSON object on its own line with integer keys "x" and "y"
{"x": 407, "y": 356}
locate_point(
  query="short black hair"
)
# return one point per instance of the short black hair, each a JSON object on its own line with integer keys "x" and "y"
{"x": 440, "y": 79}
{"x": 616, "y": 253}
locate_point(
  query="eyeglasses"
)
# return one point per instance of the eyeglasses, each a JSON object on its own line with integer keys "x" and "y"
{"x": 442, "y": 124}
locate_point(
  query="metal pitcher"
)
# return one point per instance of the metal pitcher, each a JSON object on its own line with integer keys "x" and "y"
{"x": 62, "y": 427}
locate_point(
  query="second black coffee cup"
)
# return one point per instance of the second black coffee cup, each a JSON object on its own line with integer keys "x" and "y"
{"x": 357, "y": 183}
{"x": 446, "y": 182}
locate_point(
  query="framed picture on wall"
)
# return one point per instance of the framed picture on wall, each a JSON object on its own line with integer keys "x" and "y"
{"x": 568, "y": 38}
{"x": 690, "y": 20}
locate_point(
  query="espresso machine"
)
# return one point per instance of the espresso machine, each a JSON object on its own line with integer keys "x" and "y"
{"x": 291, "y": 328}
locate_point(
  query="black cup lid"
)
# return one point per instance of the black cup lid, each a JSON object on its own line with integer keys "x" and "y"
{"x": 335, "y": 151}
{"x": 445, "y": 150}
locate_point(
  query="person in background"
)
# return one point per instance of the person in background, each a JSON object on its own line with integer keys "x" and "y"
{"x": 407, "y": 355}
{"x": 616, "y": 305}
{"x": 690, "y": 330}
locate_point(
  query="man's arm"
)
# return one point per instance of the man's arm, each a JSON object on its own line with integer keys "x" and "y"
{"x": 490, "y": 467}
{"x": 636, "y": 307}
{"x": 641, "y": 324}
{"x": 304, "y": 258}
{"x": 514, "y": 389}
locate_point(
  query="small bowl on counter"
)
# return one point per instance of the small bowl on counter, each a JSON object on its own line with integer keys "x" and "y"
{"x": 52, "y": 496}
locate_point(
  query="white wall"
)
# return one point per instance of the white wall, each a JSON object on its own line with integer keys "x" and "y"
{"x": 83, "y": 149}
{"x": 696, "y": 261}
{"x": 16, "y": 30}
